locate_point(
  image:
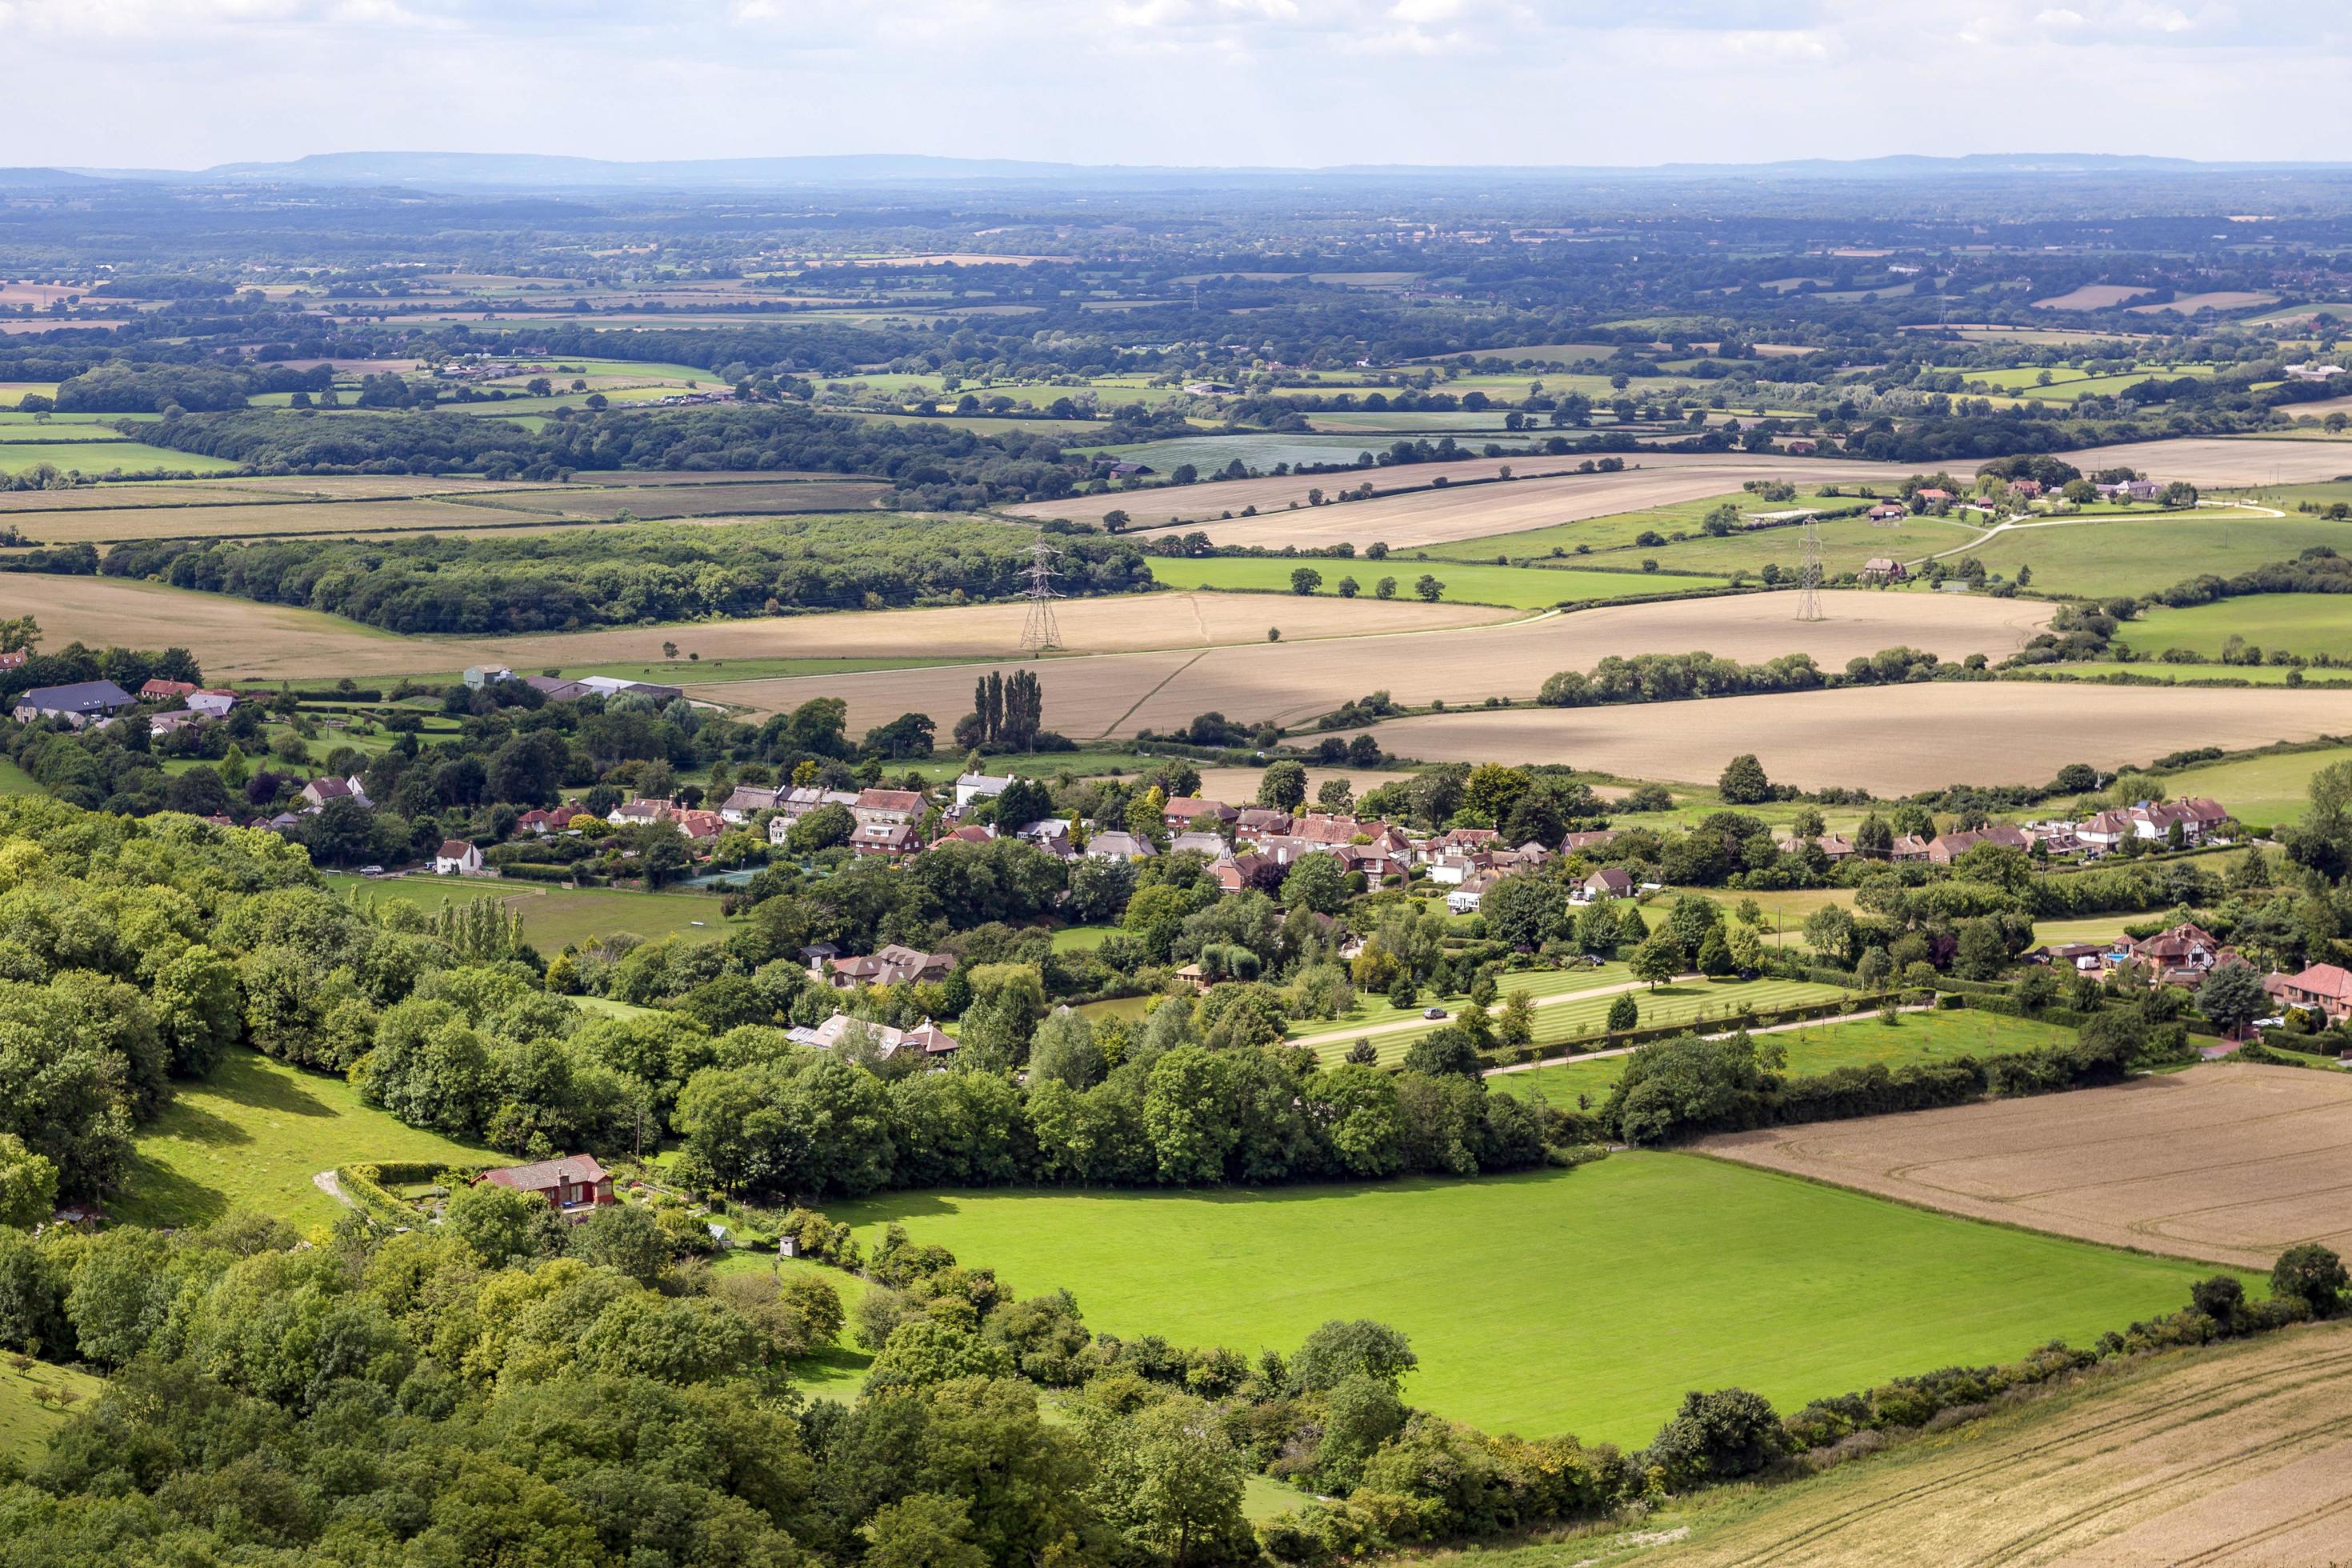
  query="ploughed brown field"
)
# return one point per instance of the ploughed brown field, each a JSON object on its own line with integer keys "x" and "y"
{"x": 2238, "y": 1454}
{"x": 2214, "y": 461}
{"x": 237, "y": 638}
{"x": 2229, "y": 1162}
{"x": 1890, "y": 740}
{"x": 1540, "y": 495}
{"x": 1299, "y": 678}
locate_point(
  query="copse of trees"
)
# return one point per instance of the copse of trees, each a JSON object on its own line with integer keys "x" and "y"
{"x": 480, "y": 583}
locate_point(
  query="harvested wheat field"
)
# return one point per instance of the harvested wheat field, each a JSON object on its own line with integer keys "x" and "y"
{"x": 2238, "y": 1454}
{"x": 1889, "y": 740}
{"x": 2091, "y": 297}
{"x": 1540, "y": 495}
{"x": 1298, "y": 678}
{"x": 2229, "y": 1162}
{"x": 237, "y": 638}
{"x": 395, "y": 515}
{"x": 2223, "y": 461}
{"x": 2216, "y": 300}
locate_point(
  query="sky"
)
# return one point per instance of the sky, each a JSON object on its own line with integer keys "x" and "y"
{"x": 186, "y": 83}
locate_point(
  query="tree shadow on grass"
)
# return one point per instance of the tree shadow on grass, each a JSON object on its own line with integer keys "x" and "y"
{"x": 154, "y": 1193}
{"x": 195, "y": 1124}
{"x": 249, "y": 1078}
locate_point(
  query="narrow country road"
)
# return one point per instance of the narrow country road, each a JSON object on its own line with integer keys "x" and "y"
{"x": 326, "y": 1183}
{"x": 1398, "y": 1026}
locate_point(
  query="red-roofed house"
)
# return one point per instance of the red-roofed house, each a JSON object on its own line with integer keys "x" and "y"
{"x": 2325, "y": 988}
{"x": 457, "y": 858}
{"x": 575, "y": 1186}
{"x": 165, "y": 690}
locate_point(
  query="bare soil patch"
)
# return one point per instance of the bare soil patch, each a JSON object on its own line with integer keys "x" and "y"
{"x": 2230, "y": 1161}
{"x": 2090, "y": 297}
{"x": 1889, "y": 740}
{"x": 2213, "y": 461}
{"x": 1296, "y": 679}
{"x": 1437, "y": 516}
{"x": 2240, "y": 1453}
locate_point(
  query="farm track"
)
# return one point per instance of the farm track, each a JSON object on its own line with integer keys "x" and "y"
{"x": 2143, "y": 1461}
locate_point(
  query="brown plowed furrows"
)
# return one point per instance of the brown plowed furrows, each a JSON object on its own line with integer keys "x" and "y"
{"x": 1892, "y": 740}
{"x": 2229, "y": 1162}
{"x": 1437, "y": 516}
{"x": 2236, "y": 1455}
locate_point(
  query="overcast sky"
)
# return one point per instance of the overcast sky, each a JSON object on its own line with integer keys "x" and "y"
{"x": 184, "y": 83}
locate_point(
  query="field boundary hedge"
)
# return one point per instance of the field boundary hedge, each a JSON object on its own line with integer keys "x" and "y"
{"x": 1794, "y": 1013}
{"x": 363, "y": 1185}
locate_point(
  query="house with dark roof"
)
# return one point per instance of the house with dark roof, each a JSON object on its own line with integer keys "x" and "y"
{"x": 457, "y": 858}
{"x": 83, "y": 703}
{"x": 319, "y": 791}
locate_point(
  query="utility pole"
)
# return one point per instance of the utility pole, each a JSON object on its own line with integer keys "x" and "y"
{"x": 1809, "y": 574}
{"x": 1039, "y": 632}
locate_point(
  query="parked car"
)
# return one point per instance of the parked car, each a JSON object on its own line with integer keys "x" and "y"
{"x": 1433, "y": 1012}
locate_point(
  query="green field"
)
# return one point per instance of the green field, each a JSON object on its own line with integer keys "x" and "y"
{"x": 28, "y": 1418}
{"x": 1520, "y": 587}
{"x": 1583, "y": 1011}
{"x": 552, "y": 916}
{"x": 1583, "y": 1301}
{"x": 2144, "y": 554}
{"x": 837, "y": 1372}
{"x": 2177, "y": 674}
{"x": 2262, "y": 791}
{"x": 2303, "y": 624}
{"x": 105, "y": 455}
{"x": 15, "y": 780}
{"x": 1846, "y": 543}
{"x": 1912, "y": 1038}
{"x": 252, "y": 1136}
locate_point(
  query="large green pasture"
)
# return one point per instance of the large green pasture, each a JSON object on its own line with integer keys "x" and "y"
{"x": 1521, "y": 587}
{"x": 552, "y": 916}
{"x": 2303, "y": 624}
{"x": 2180, "y": 674}
{"x": 1860, "y": 1041}
{"x": 2140, "y": 554}
{"x": 1583, "y": 1301}
{"x": 1847, "y": 543}
{"x": 105, "y": 455}
{"x": 252, "y": 1135}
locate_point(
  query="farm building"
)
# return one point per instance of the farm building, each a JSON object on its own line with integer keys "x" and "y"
{"x": 1884, "y": 569}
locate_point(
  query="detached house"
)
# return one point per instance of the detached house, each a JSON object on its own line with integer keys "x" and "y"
{"x": 1188, "y": 812}
{"x": 886, "y": 807}
{"x": 457, "y": 858}
{"x": 887, "y": 965}
{"x": 575, "y": 1186}
{"x": 319, "y": 791}
{"x": 160, "y": 690}
{"x": 2324, "y": 988}
{"x": 970, "y": 787}
{"x": 81, "y": 704}
{"x": 2182, "y": 955}
{"x": 745, "y": 799}
{"x": 1608, "y": 883}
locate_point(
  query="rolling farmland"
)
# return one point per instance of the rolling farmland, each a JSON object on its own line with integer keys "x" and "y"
{"x": 1888, "y": 739}
{"x": 2223, "y": 461}
{"x": 2230, "y": 1161}
{"x": 1299, "y": 678}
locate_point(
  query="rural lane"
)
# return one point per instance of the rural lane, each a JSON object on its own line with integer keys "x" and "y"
{"x": 1400, "y": 1026}
{"x": 1724, "y": 1035}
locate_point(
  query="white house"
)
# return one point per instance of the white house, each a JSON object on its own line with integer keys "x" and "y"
{"x": 487, "y": 674}
{"x": 1466, "y": 898}
{"x": 457, "y": 858}
{"x": 211, "y": 704}
{"x": 970, "y": 787}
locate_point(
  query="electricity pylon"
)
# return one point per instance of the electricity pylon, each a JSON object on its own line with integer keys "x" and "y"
{"x": 1809, "y": 575}
{"x": 1039, "y": 632}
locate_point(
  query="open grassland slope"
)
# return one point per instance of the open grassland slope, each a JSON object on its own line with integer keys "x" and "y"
{"x": 2238, "y": 1455}
{"x": 35, "y": 1400}
{"x": 2262, "y": 791}
{"x": 1890, "y": 740}
{"x": 2303, "y": 624}
{"x": 1297, "y": 679}
{"x": 2229, "y": 1162}
{"x": 1584, "y": 1300}
{"x": 252, "y": 1136}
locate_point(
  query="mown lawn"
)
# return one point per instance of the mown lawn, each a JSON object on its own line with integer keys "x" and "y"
{"x": 552, "y": 916}
{"x": 1520, "y": 587}
{"x": 1912, "y": 1038}
{"x": 1583, "y": 1301}
{"x": 837, "y": 1371}
{"x": 253, "y": 1135}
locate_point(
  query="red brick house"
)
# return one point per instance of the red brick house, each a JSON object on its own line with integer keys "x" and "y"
{"x": 2324, "y": 988}
{"x": 575, "y": 1186}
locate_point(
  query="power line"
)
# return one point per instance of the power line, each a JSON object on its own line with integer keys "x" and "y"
{"x": 1809, "y": 574}
{"x": 1039, "y": 632}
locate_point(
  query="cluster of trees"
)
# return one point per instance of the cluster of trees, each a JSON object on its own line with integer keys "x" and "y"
{"x": 1007, "y": 713}
{"x": 118, "y": 387}
{"x": 1673, "y": 678}
{"x": 617, "y": 576}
